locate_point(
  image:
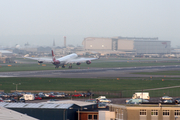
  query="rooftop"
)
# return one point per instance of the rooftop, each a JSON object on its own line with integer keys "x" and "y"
{"x": 36, "y": 105}
{"x": 6, "y": 114}
{"x": 79, "y": 103}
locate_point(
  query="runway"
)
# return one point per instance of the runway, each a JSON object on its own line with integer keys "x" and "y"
{"x": 93, "y": 72}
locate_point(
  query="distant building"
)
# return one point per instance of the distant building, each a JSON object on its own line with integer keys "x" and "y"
{"x": 127, "y": 45}
{"x": 152, "y": 47}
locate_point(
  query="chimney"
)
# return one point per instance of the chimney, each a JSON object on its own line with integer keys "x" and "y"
{"x": 65, "y": 41}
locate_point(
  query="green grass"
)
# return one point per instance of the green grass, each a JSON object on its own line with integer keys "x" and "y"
{"x": 177, "y": 72}
{"x": 103, "y": 64}
{"x": 85, "y": 84}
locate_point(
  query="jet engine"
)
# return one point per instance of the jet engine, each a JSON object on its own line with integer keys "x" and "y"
{"x": 56, "y": 62}
{"x": 78, "y": 63}
{"x": 40, "y": 61}
{"x": 88, "y": 62}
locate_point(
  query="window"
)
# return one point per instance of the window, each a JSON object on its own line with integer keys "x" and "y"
{"x": 102, "y": 45}
{"x": 90, "y": 45}
{"x": 177, "y": 112}
{"x": 89, "y": 117}
{"x": 154, "y": 112}
{"x": 92, "y": 117}
{"x": 166, "y": 112}
{"x": 142, "y": 112}
{"x": 95, "y": 117}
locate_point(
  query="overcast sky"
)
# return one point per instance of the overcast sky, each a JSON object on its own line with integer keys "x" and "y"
{"x": 38, "y": 22}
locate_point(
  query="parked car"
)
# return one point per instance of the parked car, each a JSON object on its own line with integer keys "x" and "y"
{"x": 166, "y": 101}
{"x": 89, "y": 94}
{"x": 1, "y": 100}
{"x": 57, "y": 94}
{"x": 166, "y": 98}
{"x": 38, "y": 98}
{"x": 22, "y": 100}
{"x": 177, "y": 101}
{"x": 104, "y": 100}
{"x": 136, "y": 101}
{"x": 13, "y": 100}
{"x": 77, "y": 95}
{"x": 83, "y": 94}
{"x": 7, "y": 100}
{"x": 52, "y": 95}
{"x": 101, "y": 97}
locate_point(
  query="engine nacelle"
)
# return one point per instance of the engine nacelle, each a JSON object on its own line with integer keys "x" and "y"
{"x": 40, "y": 61}
{"x": 56, "y": 62}
{"x": 88, "y": 62}
{"x": 78, "y": 63}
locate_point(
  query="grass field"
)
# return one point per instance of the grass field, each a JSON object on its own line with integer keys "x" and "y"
{"x": 177, "y": 72}
{"x": 103, "y": 64}
{"x": 125, "y": 85}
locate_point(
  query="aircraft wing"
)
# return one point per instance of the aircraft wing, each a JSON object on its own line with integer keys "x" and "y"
{"x": 80, "y": 60}
{"x": 41, "y": 60}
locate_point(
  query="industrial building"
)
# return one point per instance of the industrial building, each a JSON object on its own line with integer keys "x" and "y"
{"x": 58, "y": 110}
{"x": 105, "y": 44}
{"x": 127, "y": 45}
{"x": 144, "y": 112}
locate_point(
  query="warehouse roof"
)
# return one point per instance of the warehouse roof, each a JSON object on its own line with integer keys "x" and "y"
{"x": 37, "y": 105}
{"x": 79, "y": 103}
{"x": 6, "y": 114}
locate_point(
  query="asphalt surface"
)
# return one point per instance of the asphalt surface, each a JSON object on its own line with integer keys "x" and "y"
{"x": 94, "y": 72}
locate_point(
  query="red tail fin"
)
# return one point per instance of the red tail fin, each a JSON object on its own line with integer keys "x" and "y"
{"x": 53, "y": 56}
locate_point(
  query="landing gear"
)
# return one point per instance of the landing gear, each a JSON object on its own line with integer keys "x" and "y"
{"x": 70, "y": 67}
{"x": 57, "y": 67}
{"x": 63, "y": 66}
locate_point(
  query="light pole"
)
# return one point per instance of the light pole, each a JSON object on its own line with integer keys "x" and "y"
{"x": 17, "y": 85}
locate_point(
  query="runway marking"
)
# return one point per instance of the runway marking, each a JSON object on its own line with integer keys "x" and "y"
{"x": 1, "y": 76}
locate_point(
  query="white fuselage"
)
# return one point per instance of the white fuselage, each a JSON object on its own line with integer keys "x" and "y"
{"x": 68, "y": 57}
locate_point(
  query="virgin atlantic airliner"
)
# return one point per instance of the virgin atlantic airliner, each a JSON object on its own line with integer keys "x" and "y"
{"x": 63, "y": 61}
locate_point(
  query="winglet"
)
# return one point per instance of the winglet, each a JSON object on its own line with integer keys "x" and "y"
{"x": 53, "y": 56}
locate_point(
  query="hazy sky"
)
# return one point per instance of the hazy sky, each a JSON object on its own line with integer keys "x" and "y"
{"x": 40, "y": 21}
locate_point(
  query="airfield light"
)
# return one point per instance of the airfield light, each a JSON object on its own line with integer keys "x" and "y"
{"x": 16, "y": 85}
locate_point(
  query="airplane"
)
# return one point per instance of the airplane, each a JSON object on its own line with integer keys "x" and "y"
{"x": 63, "y": 61}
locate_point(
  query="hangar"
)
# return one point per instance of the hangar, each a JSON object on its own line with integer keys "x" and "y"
{"x": 136, "y": 45}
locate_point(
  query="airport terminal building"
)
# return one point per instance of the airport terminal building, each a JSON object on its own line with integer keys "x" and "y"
{"x": 134, "y": 45}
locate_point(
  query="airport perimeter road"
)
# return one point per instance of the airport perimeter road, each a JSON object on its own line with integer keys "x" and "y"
{"x": 93, "y": 72}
